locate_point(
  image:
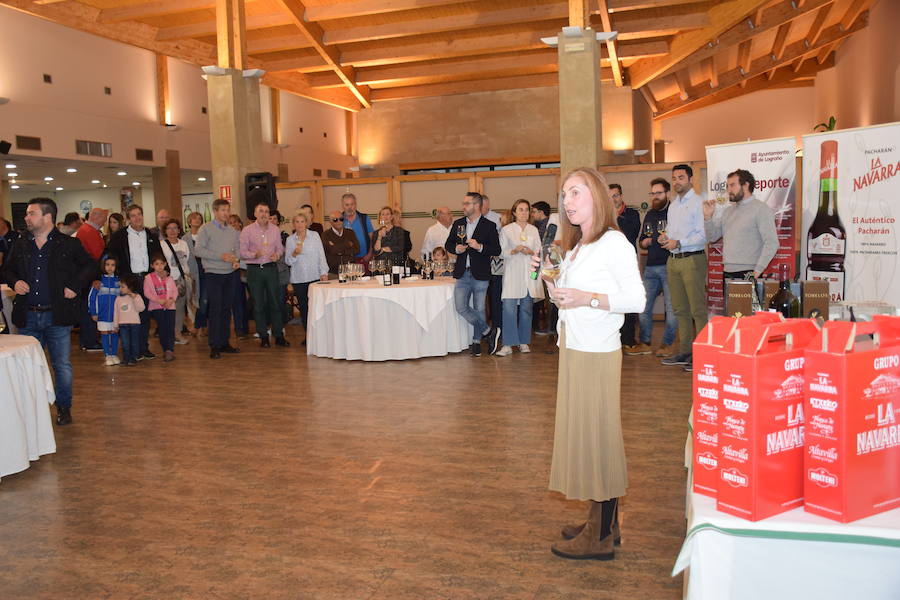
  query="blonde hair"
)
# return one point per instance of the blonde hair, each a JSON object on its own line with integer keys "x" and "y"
{"x": 604, "y": 212}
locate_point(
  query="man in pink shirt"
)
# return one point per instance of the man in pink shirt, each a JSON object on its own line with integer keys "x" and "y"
{"x": 261, "y": 248}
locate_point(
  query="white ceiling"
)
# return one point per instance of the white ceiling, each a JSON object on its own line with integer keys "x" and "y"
{"x": 31, "y": 171}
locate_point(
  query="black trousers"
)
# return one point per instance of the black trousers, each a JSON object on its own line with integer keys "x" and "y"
{"x": 220, "y": 292}
{"x": 626, "y": 332}
{"x": 301, "y": 293}
{"x": 495, "y": 289}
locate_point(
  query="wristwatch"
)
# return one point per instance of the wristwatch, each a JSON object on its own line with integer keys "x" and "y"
{"x": 595, "y": 301}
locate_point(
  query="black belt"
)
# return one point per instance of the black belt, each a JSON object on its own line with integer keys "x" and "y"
{"x": 686, "y": 254}
{"x": 263, "y": 265}
{"x": 40, "y": 308}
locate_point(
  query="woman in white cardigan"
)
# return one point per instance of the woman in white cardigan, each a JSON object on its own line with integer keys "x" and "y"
{"x": 519, "y": 241}
{"x": 304, "y": 253}
{"x": 599, "y": 283}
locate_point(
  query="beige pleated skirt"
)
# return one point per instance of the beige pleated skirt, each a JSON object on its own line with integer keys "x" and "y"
{"x": 588, "y": 449}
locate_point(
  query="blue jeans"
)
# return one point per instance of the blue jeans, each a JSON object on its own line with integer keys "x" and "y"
{"x": 656, "y": 281}
{"x": 469, "y": 287}
{"x": 165, "y": 327}
{"x": 517, "y": 320}
{"x": 131, "y": 342}
{"x": 57, "y": 339}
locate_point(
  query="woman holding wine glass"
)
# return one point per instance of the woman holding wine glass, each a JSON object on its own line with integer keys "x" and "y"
{"x": 304, "y": 253}
{"x": 599, "y": 282}
{"x": 388, "y": 240}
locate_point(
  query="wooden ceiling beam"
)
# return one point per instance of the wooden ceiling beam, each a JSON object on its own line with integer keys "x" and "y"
{"x": 818, "y": 22}
{"x": 853, "y": 11}
{"x": 611, "y": 45}
{"x": 780, "y": 39}
{"x": 712, "y": 75}
{"x": 362, "y": 8}
{"x": 278, "y": 43}
{"x": 682, "y": 82}
{"x": 651, "y": 101}
{"x": 579, "y": 13}
{"x": 785, "y": 78}
{"x": 744, "y": 58}
{"x": 764, "y": 64}
{"x": 205, "y": 28}
{"x": 655, "y": 23}
{"x": 466, "y": 87}
{"x": 298, "y": 84}
{"x": 314, "y": 32}
{"x": 721, "y": 16}
{"x": 627, "y": 5}
{"x": 298, "y": 63}
{"x": 160, "y": 8}
{"x": 742, "y": 29}
{"x": 231, "y": 41}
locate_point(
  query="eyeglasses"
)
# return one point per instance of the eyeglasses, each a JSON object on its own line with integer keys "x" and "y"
{"x": 341, "y": 219}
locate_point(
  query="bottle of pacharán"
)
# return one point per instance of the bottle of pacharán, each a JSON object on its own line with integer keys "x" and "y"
{"x": 826, "y": 240}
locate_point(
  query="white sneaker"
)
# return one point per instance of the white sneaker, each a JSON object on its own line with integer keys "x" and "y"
{"x": 524, "y": 349}
{"x": 109, "y": 361}
{"x": 504, "y": 351}
{"x": 116, "y": 360}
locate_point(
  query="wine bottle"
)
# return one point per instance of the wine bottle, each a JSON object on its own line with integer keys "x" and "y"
{"x": 207, "y": 217}
{"x": 784, "y": 301}
{"x": 187, "y": 212}
{"x": 826, "y": 240}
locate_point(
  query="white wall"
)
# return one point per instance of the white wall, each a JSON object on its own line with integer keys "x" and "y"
{"x": 108, "y": 198}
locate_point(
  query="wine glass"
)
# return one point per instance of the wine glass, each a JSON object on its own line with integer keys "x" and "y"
{"x": 461, "y": 233}
{"x": 661, "y": 226}
{"x": 551, "y": 259}
{"x": 648, "y": 229}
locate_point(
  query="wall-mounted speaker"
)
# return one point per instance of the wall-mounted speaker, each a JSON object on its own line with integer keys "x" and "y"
{"x": 5, "y": 147}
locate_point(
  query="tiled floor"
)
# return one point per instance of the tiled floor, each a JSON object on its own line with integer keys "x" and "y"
{"x": 274, "y": 475}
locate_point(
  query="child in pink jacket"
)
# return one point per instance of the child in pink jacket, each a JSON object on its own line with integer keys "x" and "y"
{"x": 161, "y": 293}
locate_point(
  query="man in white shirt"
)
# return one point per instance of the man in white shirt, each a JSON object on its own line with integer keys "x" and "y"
{"x": 438, "y": 233}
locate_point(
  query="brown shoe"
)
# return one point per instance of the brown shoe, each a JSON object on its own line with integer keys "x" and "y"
{"x": 665, "y": 352}
{"x": 587, "y": 545}
{"x": 637, "y": 350}
{"x": 571, "y": 531}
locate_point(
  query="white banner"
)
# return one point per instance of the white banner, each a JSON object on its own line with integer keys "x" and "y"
{"x": 773, "y": 165}
{"x": 857, "y": 251}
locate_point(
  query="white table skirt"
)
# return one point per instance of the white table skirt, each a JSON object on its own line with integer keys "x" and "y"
{"x": 6, "y": 298}
{"x": 26, "y": 393}
{"x": 368, "y": 321}
{"x": 792, "y": 555}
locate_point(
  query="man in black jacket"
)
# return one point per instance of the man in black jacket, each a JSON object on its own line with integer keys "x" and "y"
{"x": 629, "y": 221}
{"x": 474, "y": 248}
{"x": 134, "y": 247}
{"x": 48, "y": 269}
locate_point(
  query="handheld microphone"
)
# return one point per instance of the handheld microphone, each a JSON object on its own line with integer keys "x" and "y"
{"x": 549, "y": 235}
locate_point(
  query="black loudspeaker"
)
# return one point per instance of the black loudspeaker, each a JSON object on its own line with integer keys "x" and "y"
{"x": 5, "y": 147}
{"x": 259, "y": 187}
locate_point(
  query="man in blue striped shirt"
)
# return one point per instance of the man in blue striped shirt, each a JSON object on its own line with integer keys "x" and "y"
{"x": 685, "y": 239}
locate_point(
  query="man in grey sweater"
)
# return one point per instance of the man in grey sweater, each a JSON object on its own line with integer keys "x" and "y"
{"x": 218, "y": 245}
{"x": 746, "y": 226}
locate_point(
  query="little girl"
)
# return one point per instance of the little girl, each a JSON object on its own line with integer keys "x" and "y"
{"x": 127, "y": 319}
{"x": 161, "y": 291}
{"x": 101, "y": 305}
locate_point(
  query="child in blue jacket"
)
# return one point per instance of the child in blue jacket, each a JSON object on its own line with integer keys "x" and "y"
{"x": 101, "y": 305}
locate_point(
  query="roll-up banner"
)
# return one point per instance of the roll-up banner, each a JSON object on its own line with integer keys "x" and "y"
{"x": 851, "y": 200}
{"x": 773, "y": 165}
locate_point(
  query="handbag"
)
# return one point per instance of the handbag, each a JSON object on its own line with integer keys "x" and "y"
{"x": 498, "y": 266}
{"x": 180, "y": 283}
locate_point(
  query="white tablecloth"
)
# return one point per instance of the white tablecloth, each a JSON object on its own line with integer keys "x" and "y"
{"x": 26, "y": 393}
{"x": 6, "y": 298}
{"x": 793, "y": 555}
{"x": 368, "y": 321}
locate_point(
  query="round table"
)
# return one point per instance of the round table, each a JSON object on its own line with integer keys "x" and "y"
{"x": 366, "y": 320}
{"x": 26, "y": 393}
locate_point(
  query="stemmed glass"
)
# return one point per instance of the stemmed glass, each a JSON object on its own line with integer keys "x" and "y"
{"x": 461, "y": 233}
{"x": 648, "y": 229}
{"x": 661, "y": 226}
{"x": 551, "y": 259}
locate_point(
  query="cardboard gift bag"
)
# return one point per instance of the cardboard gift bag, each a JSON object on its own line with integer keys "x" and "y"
{"x": 761, "y": 419}
{"x": 852, "y": 403}
{"x": 705, "y": 406}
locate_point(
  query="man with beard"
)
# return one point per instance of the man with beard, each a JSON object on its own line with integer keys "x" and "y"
{"x": 746, "y": 226}
{"x": 685, "y": 239}
{"x": 656, "y": 281}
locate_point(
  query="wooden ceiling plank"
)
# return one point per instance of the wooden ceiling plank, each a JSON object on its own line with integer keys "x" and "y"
{"x": 294, "y": 64}
{"x": 362, "y": 8}
{"x": 798, "y": 64}
{"x": 818, "y": 22}
{"x": 314, "y": 32}
{"x": 146, "y": 10}
{"x": 721, "y": 16}
{"x": 298, "y": 85}
{"x": 760, "y": 66}
{"x": 447, "y": 89}
{"x": 773, "y": 16}
{"x": 466, "y": 66}
{"x": 611, "y": 45}
{"x": 853, "y": 12}
{"x": 205, "y": 28}
{"x": 627, "y": 5}
{"x": 162, "y": 89}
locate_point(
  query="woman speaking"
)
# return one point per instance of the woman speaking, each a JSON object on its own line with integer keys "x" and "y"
{"x": 599, "y": 282}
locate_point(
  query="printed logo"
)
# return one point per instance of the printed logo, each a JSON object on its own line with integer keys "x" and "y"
{"x": 753, "y": 157}
{"x": 822, "y": 477}
{"x": 738, "y": 405}
{"x": 735, "y": 478}
{"x": 741, "y": 455}
{"x": 790, "y": 387}
{"x": 883, "y": 385}
{"x": 822, "y": 425}
{"x": 887, "y": 362}
{"x": 735, "y": 385}
{"x": 708, "y": 412}
{"x": 823, "y": 404}
{"x": 707, "y": 460}
{"x": 708, "y": 438}
{"x": 819, "y": 453}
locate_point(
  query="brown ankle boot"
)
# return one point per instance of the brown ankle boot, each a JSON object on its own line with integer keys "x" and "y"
{"x": 570, "y": 531}
{"x": 587, "y": 544}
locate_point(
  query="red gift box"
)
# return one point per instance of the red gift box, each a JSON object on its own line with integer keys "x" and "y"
{"x": 852, "y": 403}
{"x": 761, "y": 419}
{"x": 705, "y": 357}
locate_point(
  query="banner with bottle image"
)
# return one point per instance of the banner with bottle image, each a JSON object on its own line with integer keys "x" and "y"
{"x": 851, "y": 196}
{"x": 773, "y": 165}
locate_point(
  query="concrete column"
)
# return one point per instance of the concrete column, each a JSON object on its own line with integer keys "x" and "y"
{"x": 235, "y": 131}
{"x": 580, "y": 126}
{"x": 167, "y": 186}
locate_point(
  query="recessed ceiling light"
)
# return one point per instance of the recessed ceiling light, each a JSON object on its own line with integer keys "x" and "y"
{"x": 13, "y": 187}
{"x": 121, "y": 173}
{"x": 13, "y": 174}
{"x": 10, "y": 166}
{"x": 71, "y": 170}
{"x": 95, "y": 181}
{"x": 59, "y": 188}
{"x": 104, "y": 185}
{"x": 201, "y": 179}
{"x": 135, "y": 183}
{"x": 48, "y": 178}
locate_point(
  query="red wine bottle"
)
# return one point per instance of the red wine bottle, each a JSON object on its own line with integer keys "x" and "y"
{"x": 784, "y": 300}
{"x": 826, "y": 240}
